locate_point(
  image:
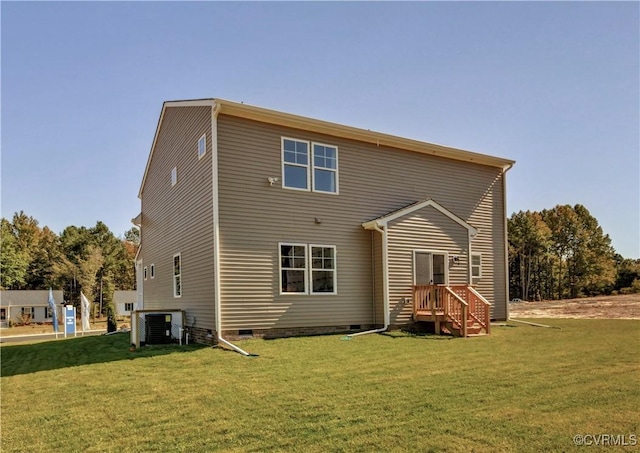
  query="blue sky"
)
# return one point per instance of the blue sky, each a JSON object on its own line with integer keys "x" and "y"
{"x": 552, "y": 85}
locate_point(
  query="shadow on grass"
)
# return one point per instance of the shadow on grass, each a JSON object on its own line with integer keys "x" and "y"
{"x": 417, "y": 334}
{"x": 53, "y": 355}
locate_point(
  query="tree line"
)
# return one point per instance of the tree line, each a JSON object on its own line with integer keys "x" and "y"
{"x": 553, "y": 254}
{"x": 563, "y": 253}
{"x": 89, "y": 260}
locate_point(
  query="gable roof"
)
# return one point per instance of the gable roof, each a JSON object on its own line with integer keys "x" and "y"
{"x": 383, "y": 221}
{"x": 123, "y": 296}
{"x": 325, "y": 127}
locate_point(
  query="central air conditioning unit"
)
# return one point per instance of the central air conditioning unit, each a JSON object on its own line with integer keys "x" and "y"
{"x": 158, "y": 328}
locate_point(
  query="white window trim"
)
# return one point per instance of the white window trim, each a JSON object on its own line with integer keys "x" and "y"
{"x": 335, "y": 270}
{"x": 174, "y": 176}
{"x": 127, "y": 305}
{"x": 145, "y": 272}
{"x": 313, "y": 165}
{"x": 203, "y": 138}
{"x": 308, "y": 271}
{"x": 152, "y": 271}
{"x": 308, "y": 166}
{"x": 173, "y": 273}
{"x": 479, "y": 266}
{"x": 306, "y": 268}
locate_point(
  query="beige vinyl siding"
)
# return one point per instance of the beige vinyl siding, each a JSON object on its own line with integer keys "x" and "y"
{"x": 378, "y": 280}
{"x": 490, "y": 243}
{"x": 179, "y": 219}
{"x": 255, "y": 217}
{"x": 428, "y": 230}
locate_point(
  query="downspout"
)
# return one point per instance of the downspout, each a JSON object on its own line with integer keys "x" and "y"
{"x": 385, "y": 284}
{"x": 215, "y": 110}
{"x": 506, "y": 236}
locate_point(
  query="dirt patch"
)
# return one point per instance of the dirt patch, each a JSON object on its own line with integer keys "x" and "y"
{"x": 34, "y": 328}
{"x": 604, "y": 307}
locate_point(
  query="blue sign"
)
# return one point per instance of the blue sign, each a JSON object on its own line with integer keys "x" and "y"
{"x": 69, "y": 320}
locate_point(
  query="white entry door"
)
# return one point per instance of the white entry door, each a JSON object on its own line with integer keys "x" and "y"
{"x": 430, "y": 268}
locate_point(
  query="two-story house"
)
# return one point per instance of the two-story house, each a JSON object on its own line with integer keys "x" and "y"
{"x": 259, "y": 222}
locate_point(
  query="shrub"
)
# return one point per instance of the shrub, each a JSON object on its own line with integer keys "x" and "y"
{"x": 112, "y": 323}
{"x": 24, "y": 319}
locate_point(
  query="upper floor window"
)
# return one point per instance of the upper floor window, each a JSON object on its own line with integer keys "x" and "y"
{"x": 177, "y": 275}
{"x": 174, "y": 176}
{"x": 202, "y": 146}
{"x": 325, "y": 168}
{"x": 295, "y": 164}
{"x": 303, "y": 170}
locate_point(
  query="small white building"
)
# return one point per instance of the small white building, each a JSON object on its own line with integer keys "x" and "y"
{"x": 125, "y": 302}
{"x": 33, "y": 304}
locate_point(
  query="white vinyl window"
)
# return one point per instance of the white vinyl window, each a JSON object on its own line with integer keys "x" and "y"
{"x": 152, "y": 269}
{"x": 174, "y": 176}
{"x": 295, "y": 164}
{"x": 293, "y": 268}
{"x": 323, "y": 269}
{"x": 302, "y": 170}
{"x": 177, "y": 275}
{"x": 325, "y": 168}
{"x": 128, "y": 306}
{"x": 476, "y": 267}
{"x": 48, "y": 313}
{"x": 28, "y": 311}
{"x": 202, "y": 146}
{"x": 307, "y": 269}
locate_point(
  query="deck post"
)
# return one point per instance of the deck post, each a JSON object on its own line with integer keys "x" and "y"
{"x": 465, "y": 315}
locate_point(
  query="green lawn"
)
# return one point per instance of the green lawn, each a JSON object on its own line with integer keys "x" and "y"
{"x": 521, "y": 389}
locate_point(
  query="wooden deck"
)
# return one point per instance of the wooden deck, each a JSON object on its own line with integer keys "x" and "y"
{"x": 456, "y": 309}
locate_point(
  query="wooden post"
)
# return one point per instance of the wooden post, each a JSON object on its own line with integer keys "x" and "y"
{"x": 465, "y": 313}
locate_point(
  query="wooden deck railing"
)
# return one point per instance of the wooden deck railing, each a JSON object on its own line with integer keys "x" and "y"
{"x": 480, "y": 309}
{"x": 478, "y": 305}
{"x": 458, "y": 303}
{"x": 440, "y": 300}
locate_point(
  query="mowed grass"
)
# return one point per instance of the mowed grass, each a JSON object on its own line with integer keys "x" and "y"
{"x": 521, "y": 389}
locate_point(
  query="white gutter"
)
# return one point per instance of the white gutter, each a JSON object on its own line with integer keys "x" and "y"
{"x": 216, "y": 228}
{"x": 385, "y": 283}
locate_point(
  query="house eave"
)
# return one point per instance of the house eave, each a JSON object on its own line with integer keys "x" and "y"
{"x": 165, "y": 105}
{"x": 275, "y": 117}
{"x": 354, "y": 133}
